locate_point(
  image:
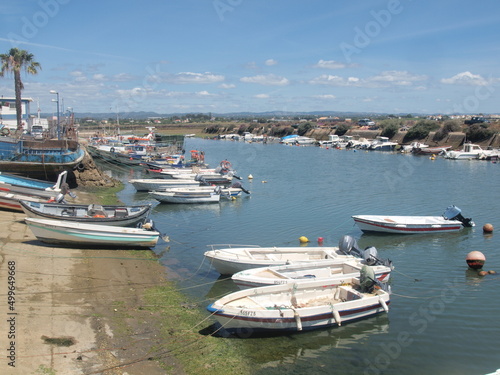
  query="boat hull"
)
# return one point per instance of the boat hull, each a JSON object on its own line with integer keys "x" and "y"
{"x": 285, "y": 308}
{"x": 168, "y": 197}
{"x": 91, "y": 235}
{"x": 121, "y": 216}
{"x": 231, "y": 261}
{"x": 406, "y": 225}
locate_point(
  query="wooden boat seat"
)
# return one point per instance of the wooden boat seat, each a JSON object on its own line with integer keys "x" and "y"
{"x": 96, "y": 210}
{"x": 121, "y": 212}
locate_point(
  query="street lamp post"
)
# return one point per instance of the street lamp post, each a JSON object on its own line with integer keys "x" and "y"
{"x": 57, "y": 101}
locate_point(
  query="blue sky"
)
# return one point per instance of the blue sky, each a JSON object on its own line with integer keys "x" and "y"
{"x": 224, "y": 56}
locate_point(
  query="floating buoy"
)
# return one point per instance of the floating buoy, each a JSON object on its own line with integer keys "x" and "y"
{"x": 303, "y": 239}
{"x": 488, "y": 228}
{"x": 475, "y": 260}
{"x": 264, "y": 182}
{"x": 250, "y": 176}
{"x": 482, "y": 273}
{"x": 320, "y": 240}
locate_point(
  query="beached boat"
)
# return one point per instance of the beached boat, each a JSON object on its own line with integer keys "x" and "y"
{"x": 92, "y": 214}
{"x": 432, "y": 150}
{"x": 39, "y": 158}
{"x": 28, "y": 186}
{"x": 91, "y": 235}
{"x": 11, "y": 201}
{"x": 451, "y": 221}
{"x": 331, "y": 271}
{"x": 299, "y": 306}
{"x": 382, "y": 144}
{"x": 230, "y": 259}
{"x": 413, "y": 147}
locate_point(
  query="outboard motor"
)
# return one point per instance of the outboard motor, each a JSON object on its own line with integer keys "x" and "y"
{"x": 238, "y": 185}
{"x": 349, "y": 246}
{"x": 455, "y": 213}
{"x": 370, "y": 255}
{"x": 368, "y": 281}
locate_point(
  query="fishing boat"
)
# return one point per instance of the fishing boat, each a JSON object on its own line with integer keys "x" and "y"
{"x": 469, "y": 151}
{"x": 32, "y": 187}
{"x": 185, "y": 196}
{"x": 299, "y": 306}
{"x": 92, "y": 235}
{"x": 93, "y": 214}
{"x": 39, "y": 158}
{"x": 230, "y": 259}
{"x": 11, "y": 201}
{"x": 331, "y": 271}
{"x": 382, "y": 144}
{"x": 226, "y": 191}
{"x": 158, "y": 184}
{"x": 451, "y": 221}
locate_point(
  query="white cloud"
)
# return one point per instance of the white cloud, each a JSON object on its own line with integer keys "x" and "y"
{"x": 227, "y": 86}
{"x": 266, "y": 80}
{"x": 465, "y": 78}
{"x": 325, "y": 96}
{"x": 330, "y": 64}
{"x": 271, "y": 62}
{"x": 261, "y": 96}
{"x": 384, "y": 79}
{"x": 189, "y": 77}
{"x": 395, "y": 77}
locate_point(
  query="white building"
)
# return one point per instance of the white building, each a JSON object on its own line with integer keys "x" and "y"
{"x": 8, "y": 116}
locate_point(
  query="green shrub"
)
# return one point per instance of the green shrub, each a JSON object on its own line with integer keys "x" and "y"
{"x": 478, "y": 133}
{"x": 342, "y": 129}
{"x": 421, "y": 130}
{"x": 304, "y": 128}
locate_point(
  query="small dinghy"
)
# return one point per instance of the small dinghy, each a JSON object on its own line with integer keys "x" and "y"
{"x": 451, "y": 221}
{"x": 92, "y": 235}
{"x": 231, "y": 259}
{"x": 329, "y": 271}
{"x": 301, "y": 306}
{"x": 123, "y": 216}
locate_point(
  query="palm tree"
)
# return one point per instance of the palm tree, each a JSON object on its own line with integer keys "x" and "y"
{"x": 14, "y": 61}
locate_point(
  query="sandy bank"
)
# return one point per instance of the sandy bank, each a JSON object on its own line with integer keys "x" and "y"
{"x": 72, "y": 311}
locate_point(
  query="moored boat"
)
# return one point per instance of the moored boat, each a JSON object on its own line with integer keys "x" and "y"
{"x": 331, "y": 271}
{"x": 298, "y": 307}
{"x": 91, "y": 235}
{"x": 451, "y": 221}
{"x": 92, "y": 214}
{"x": 230, "y": 259}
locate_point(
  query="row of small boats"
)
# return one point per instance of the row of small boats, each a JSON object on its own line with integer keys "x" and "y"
{"x": 295, "y": 288}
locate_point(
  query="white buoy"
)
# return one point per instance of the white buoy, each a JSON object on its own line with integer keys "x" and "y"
{"x": 250, "y": 176}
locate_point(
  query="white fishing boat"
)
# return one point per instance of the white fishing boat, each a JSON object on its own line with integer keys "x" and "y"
{"x": 186, "y": 196}
{"x": 11, "y": 201}
{"x": 470, "y": 151}
{"x": 382, "y": 144}
{"x": 227, "y": 191}
{"x": 92, "y": 235}
{"x": 230, "y": 259}
{"x": 299, "y": 306}
{"x": 330, "y": 271}
{"x": 151, "y": 184}
{"x": 92, "y": 214}
{"x": 451, "y": 221}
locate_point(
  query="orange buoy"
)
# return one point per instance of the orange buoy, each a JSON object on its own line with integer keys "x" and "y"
{"x": 487, "y": 228}
{"x": 475, "y": 260}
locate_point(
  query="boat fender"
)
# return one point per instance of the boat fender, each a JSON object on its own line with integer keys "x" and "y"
{"x": 5, "y": 131}
{"x": 297, "y": 320}
{"x": 383, "y": 304}
{"x": 112, "y": 149}
{"x": 336, "y": 316}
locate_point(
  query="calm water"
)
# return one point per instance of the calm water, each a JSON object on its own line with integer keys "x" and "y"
{"x": 443, "y": 318}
